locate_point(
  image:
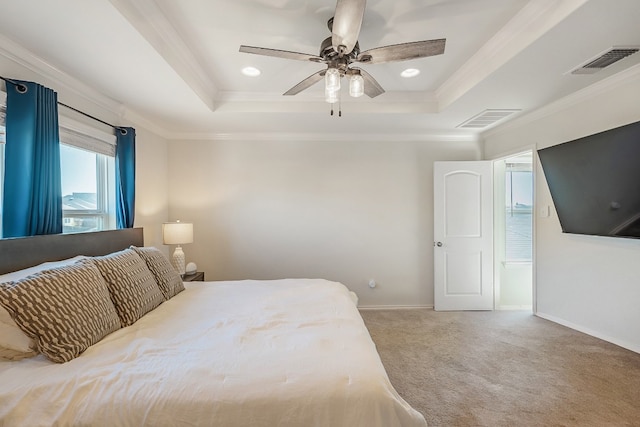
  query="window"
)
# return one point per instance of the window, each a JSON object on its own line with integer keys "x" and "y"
{"x": 519, "y": 203}
{"x": 88, "y": 190}
{"x": 87, "y": 162}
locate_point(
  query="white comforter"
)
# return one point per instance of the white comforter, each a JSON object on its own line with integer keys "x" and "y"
{"x": 248, "y": 353}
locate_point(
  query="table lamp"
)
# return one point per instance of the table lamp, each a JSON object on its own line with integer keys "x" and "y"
{"x": 177, "y": 233}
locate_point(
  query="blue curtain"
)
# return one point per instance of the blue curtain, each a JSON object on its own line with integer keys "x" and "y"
{"x": 32, "y": 181}
{"x": 125, "y": 176}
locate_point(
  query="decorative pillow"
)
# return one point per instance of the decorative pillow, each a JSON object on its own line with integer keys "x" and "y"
{"x": 133, "y": 289}
{"x": 15, "y": 344}
{"x": 166, "y": 276}
{"x": 65, "y": 309}
{"x": 21, "y": 274}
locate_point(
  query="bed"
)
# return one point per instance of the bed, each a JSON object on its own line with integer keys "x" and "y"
{"x": 291, "y": 352}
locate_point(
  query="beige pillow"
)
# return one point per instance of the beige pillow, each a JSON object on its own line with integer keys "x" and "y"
{"x": 65, "y": 309}
{"x": 15, "y": 344}
{"x": 166, "y": 276}
{"x": 133, "y": 289}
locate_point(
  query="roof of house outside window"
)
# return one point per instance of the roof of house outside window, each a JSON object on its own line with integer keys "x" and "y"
{"x": 80, "y": 201}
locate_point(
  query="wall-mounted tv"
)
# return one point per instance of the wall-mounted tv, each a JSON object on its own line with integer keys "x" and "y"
{"x": 595, "y": 182}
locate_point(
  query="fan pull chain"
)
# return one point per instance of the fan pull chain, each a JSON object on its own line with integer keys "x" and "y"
{"x": 339, "y": 109}
{"x": 339, "y": 112}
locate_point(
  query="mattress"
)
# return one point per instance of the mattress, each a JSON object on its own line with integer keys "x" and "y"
{"x": 242, "y": 353}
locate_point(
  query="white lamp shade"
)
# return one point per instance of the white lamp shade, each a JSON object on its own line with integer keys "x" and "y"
{"x": 177, "y": 233}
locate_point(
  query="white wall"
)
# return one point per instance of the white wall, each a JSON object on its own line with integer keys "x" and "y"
{"x": 152, "y": 186}
{"x": 589, "y": 283}
{"x": 348, "y": 211}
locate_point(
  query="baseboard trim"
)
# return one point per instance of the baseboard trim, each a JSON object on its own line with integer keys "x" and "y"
{"x": 394, "y": 307}
{"x": 514, "y": 308}
{"x": 629, "y": 346}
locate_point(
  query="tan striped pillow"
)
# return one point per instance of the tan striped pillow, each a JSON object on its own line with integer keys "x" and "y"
{"x": 166, "y": 276}
{"x": 65, "y": 309}
{"x": 133, "y": 289}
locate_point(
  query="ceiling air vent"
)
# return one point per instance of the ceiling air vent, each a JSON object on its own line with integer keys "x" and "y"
{"x": 605, "y": 59}
{"x": 486, "y": 118}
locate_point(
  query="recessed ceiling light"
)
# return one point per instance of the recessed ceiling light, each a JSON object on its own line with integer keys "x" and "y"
{"x": 251, "y": 71}
{"x": 410, "y": 72}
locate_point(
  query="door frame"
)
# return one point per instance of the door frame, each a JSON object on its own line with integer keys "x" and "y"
{"x": 534, "y": 166}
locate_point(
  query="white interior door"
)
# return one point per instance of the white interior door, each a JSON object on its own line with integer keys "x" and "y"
{"x": 463, "y": 235}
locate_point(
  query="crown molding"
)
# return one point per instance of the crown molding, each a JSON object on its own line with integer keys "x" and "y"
{"x": 601, "y": 87}
{"x": 388, "y": 103}
{"x": 326, "y": 137}
{"x": 532, "y": 22}
{"x": 138, "y": 120}
{"x": 393, "y": 96}
{"x": 55, "y": 77}
{"x": 165, "y": 38}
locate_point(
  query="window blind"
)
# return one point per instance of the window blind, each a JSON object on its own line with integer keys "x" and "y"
{"x": 90, "y": 142}
{"x": 72, "y": 132}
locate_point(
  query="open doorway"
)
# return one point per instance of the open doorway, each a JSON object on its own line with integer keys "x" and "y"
{"x": 513, "y": 228}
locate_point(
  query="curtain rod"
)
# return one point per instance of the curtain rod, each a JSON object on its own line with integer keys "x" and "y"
{"x": 120, "y": 128}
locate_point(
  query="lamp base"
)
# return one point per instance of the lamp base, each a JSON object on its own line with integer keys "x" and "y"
{"x": 178, "y": 260}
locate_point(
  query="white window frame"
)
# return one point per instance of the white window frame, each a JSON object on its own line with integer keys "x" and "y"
{"x": 510, "y": 168}
{"x": 80, "y": 135}
{"x": 105, "y": 189}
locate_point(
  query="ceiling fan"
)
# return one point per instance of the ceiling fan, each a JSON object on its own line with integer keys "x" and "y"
{"x": 340, "y": 50}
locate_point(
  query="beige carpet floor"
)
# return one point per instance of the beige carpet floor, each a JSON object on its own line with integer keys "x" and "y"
{"x": 505, "y": 368}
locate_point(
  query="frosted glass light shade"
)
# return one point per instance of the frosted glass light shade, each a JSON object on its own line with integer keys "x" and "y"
{"x": 332, "y": 80}
{"x": 177, "y": 233}
{"x": 356, "y": 86}
{"x": 331, "y": 96}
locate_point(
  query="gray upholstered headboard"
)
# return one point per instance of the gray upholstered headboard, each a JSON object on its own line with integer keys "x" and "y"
{"x": 23, "y": 252}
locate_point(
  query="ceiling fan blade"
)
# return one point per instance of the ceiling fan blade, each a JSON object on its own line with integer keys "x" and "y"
{"x": 402, "y": 51}
{"x": 306, "y": 83}
{"x": 280, "y": 53}
{"x": 371, "y": 87}
{"x": 347, "y": 21}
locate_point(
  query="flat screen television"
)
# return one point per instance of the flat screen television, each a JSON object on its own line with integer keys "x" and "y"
{"x": 595, "y": 182}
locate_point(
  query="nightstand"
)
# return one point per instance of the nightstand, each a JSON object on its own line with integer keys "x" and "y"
{"x": 198, "y": 276}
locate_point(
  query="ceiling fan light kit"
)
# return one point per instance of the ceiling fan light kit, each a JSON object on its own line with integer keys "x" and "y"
{"x": 331, "y": 96}
{"x": 342, "y": 49}
{"x": 332, "y": 80}
{"x": 356, "y": 86}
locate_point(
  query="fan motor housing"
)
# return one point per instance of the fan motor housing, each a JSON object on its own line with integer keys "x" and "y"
{"x": 329, "y": 54}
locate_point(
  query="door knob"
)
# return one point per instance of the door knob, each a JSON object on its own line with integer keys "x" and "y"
{"x": 438, "y": 244}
